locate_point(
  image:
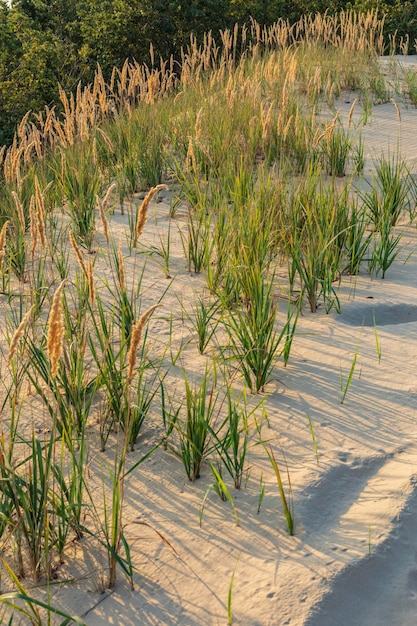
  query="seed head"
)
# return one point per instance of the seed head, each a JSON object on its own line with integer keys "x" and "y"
{"x": 56, "y": 330}
{"x": 135, "y": 339}
{"x": 143, "y": 210}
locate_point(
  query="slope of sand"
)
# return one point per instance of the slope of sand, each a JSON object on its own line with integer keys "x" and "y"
{"x": 353, "y": 558}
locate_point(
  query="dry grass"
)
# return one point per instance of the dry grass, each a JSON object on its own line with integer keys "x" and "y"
{"x": 17, "y": 336}
{"x": 349, "y": 31}
{"x": 135, "y": 339}
{"x": 143, "y": 209}
{"x": 56, "y": 330}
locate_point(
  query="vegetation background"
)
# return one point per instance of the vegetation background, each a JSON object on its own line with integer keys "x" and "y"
{"x": 46, "y": 42}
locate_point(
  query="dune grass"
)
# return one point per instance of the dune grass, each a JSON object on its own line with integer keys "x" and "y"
{"x": 248, "y": 147}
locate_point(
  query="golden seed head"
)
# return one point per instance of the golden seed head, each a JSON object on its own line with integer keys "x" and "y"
{"x": 397, "y": 108}
{"x": 78, "y": 253}
{"x": 190, "y": 160}
{"x": 55, "y": 337}
{"x": 143, "y": 209}
{"x": 197, "y": 128}
{"x": 17, "y": 335}
{"x": 19, "y": 210}
{"x": 100, "y": 205}
{"x": 135, "y": 338}
{"x": 3, "y": 233}
{"x": 352, "y": 108}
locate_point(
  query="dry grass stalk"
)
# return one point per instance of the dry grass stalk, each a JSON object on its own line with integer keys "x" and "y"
{"x": 143, "y": 209}
{"x": 121, "y": 267}
{"x": 106, "y": 139}
{"x": 95, "y": 155}
{"x": 404, "y": 44}
{"x": 55, "y": 337}
{"x": 40, "y": 213}
{"x": 330, "y": 129}
{"x": 60, "y": 133}
{"x": 287, "y": 127}
{"x": 102, "y": 205}
{"x": 33, "y": 227}
{"x": 197, "y": 127}
{"x": 63, "y": 167}
{"x": 3, "y": 242}
{"x": 38, "y": 143}
{"x": 352, "y": 108}
{"x": 327, "y": 133}
{"x": 99, "y": 91}
{"x": 107, "y": 195}
{"x": 266, "y": 119}
{"x": 3, "y": 235}
{"x": 78, "y": 254}
{"x": 21, "y": 131}
{"x": 17, "y": 335}
{"x": 136, "y": 336}
{"x": 7, "y": 167}
{"x": 19, "y": 210}
{"x": 48, "y": 120}
{"x": 90, "y": 281}
{"x": 2, "y": 154}
{"x": 103, "y": 219}
{"x": 190, "y": 160}
{"x": 27, "y": 155}
{"x": 397, "y": 108}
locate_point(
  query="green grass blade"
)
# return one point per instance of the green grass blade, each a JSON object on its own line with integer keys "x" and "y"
{"x": 226, "y": 492}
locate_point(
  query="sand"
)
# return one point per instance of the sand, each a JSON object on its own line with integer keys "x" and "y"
{"x": 353, "y": 558}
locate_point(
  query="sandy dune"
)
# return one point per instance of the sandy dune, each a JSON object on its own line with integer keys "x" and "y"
{"x": 353, "y": 558}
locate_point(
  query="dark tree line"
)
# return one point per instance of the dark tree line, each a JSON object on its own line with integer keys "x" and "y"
{"x": 43, "y": 42}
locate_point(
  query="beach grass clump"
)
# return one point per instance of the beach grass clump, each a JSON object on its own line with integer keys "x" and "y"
{"x": 233, "y": 443}
{"x": 79, "y": 180}
{"x": 129, "y": 381}
{"x": 218, "y": 272}
{"x": 315, "y": 239}
{"x": 15, "y": 249}
{"x": 385, "y": 249}
{"x": 33, "y": 610}
{"x": 391, "y": 195}
{"x": 132, "y": 149}
{"x": 391, "y": 191}
{"x": 27, "y": 490}
{"x": 196, "y": 427}
{"x": 205, "y": 321}
{"x": 58, "y": 368}
{"x": 410, "y": 77}
{"x": 125, "y": 295}
{"x": 336, "y": 150}
{"x": 358, "y": 239}
{"x": 197, "y": 240}
{"x": 161, "y": 253}
{"x": 253, "y": 336}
